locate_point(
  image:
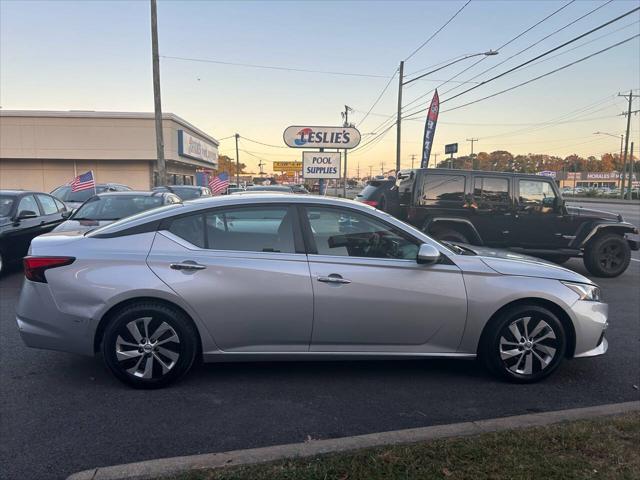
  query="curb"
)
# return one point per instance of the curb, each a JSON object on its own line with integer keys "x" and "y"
{"x": 153, "y": 469}
{"x": 610, "y": 201}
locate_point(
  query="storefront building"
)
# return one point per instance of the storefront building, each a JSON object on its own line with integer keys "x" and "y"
{"x": 40, "y": 150}
{"x": 590, "y": 179}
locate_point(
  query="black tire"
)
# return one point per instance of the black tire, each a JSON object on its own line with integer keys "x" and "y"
{"x": 125, "y": 336}
{"x": 559, "y": 259}
{"x": 607, "y": 255}
{"x": 446, "y": 234}
{"x": 522, "y": 360}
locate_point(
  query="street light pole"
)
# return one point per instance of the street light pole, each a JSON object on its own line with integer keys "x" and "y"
{"x": 161, "y": 166}
{"x": 402, "y": 83}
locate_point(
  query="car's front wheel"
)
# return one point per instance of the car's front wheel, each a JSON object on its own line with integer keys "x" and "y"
{"x": 607, "y": 255}
{"x": 149, "y": 345}
{"x": 524, "y": 345}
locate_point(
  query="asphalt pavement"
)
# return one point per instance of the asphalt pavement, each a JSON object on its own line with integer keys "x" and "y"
{"x": 62, "y": 413}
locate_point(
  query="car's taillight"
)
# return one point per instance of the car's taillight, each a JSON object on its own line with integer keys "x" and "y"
{"x": 34, "y": 267}
{"x": 373, "y": 203}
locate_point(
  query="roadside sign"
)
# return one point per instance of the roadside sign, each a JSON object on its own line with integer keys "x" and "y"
{"x": 321, "y": 164}
{"x": 287, "y": 167}
{"x": 321, "y": 137}
{"x": 451, "y": 148}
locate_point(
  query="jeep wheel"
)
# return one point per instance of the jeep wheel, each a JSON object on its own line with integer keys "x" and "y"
{"x": 447, "y": 235}
{"x": 607, "y": 255}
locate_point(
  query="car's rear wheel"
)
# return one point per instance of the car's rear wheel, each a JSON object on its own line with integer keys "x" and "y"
{"x": 607, "y": 255}
{"x": 524, "y": 345}
{"x": 149, "y": 345}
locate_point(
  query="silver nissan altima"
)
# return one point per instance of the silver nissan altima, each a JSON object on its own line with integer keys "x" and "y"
{"x": 274, "y": 276}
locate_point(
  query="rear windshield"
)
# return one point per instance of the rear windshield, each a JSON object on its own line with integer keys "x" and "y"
{"x": 115, "y": 208}
{"x": 372, "y": 187}
{"x": 187, "y": 193}
{"x": 133, "y": 220}
{"x": 65, "y": 194}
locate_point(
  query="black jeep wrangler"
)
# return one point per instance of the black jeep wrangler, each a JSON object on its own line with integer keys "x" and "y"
{"x": 523, "y": 213}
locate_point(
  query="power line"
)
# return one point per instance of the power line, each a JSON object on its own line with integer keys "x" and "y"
{"x": 544, "y": 75}
{"x": 498, "y": 49}
{"x": 535, "y": 43}
{"x": 379, "y": 96}
{"x": 437, "y": 31}
{"x": 262, "y": 143}
{"x": 274, "y": 67}
{"x": 575, "y": 39}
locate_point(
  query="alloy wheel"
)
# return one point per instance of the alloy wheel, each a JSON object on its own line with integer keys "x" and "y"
{"x": 147, "y": 348}
{"x": 610, "y": 256}
{"x": 528, "y": 345}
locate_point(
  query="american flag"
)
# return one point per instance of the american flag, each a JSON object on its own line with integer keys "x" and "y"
{"x": 219, "y": 183}
{"x": 84, "y": 181}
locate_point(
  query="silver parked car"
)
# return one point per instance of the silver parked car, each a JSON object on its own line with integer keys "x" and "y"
{"x": 271, "y": 276}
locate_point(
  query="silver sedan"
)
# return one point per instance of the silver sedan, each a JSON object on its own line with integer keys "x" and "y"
{"x": 268, "y": 276}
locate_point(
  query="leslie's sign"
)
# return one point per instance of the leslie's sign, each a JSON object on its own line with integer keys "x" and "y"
{"x": 321, "y": 137}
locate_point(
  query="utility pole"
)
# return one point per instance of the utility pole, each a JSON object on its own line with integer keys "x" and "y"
{"x": 382, "y": 168}
{"x": 402, "y": 83}
{"x": 345, "y": 115}
{"x": 472, "y": 140}
{"x": 358, "y": 172}
{"x": 435, "y": 156}
{"x": 630, "y": 176}
{"x": 161, "y": 166}
{"x": 260, "y": 165}
{"x": 630, "y": 98}
{"x": 413, "y": 157}
{"x": 237, "y": 162}
{"x": 370, "y": 171}
{"x": 399, "y": 118}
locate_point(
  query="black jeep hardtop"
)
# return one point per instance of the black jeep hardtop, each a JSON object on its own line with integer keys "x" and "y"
{"x": 520, "y": 212}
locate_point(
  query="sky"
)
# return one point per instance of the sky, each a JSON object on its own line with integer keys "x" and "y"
{"x": 96, "y": 55}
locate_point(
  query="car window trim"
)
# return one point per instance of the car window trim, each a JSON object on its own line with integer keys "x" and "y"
{"x": 298, "y": 242}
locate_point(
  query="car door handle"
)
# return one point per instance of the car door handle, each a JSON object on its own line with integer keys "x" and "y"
{"x": 334, "y": 278}
{"x": 187, "y": 266}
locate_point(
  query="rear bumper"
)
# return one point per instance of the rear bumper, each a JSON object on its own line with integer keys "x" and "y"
{"x": 42, "y": 325}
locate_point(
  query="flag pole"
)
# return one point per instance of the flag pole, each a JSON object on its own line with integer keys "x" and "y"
{"x": 95, "y": 189}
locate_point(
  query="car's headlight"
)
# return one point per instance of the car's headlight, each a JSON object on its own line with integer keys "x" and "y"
{"x": 590, "y": 293}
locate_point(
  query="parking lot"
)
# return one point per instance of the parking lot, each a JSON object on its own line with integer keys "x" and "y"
{"x": 62, "y": 413}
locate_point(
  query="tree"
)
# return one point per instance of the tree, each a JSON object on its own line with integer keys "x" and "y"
{"x": 227, "y": 164}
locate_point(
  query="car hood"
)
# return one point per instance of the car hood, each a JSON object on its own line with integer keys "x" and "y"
{"x": 589, "y": 212}
{"x": 510, "y": 263}
{"x": 81, "y": 225}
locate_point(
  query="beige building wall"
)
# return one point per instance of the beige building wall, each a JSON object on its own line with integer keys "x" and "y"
{"x": 42, "y": 150}
{"x": 45, "y": 175}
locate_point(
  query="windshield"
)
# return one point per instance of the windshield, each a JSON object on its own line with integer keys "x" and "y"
{"x": 115, "y": 207}
{"x": 65, "y": 194}
{"x": 5, "y": 205}
{"x": 370, "y": 189}
{"x": 187, "y": 193}
{"x": 269, "y": 188}
{"x": 133, "y": 219}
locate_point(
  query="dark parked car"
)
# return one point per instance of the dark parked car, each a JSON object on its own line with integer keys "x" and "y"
{"x": 185, "y": 192}
{"x": 270, "y": 188}
{"x": 523, "y": 213}
{"x": 108, "y": 207}
{"x": 75, "y": 199}
{"x": 377, "y": 193}
{"x": 300, "y": 189}
{"x": 23, "y": 216}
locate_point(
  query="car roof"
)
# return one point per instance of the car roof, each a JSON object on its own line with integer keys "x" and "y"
{"x": 18, "y": 192}
{"x": 168, "y": 187}
{"x": 458, "y": 171}
{"x": 257, "y": 198}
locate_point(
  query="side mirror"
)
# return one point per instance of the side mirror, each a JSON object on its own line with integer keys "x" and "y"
{"x": 67, "y": 213}
{"x": 428, "y": 254}
{"x": 27, "y": 214}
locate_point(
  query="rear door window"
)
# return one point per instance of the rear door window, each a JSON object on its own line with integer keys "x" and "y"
{"x": 443, "y": 188}
{"x": 29, "y": 204}
{"x": 491, "y": 191}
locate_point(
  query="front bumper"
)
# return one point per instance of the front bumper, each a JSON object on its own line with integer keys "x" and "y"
{"x": 591, "y": 322}
{"x": 634, "y": 244}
